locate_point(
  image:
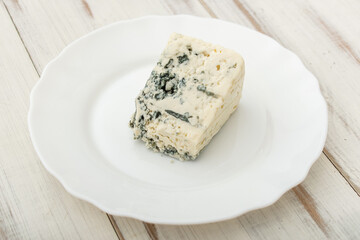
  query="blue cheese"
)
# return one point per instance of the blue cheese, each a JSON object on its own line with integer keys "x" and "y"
{"x": 190, "y": 94}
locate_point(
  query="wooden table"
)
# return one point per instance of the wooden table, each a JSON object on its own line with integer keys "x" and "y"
{"x": 326, "y": 36}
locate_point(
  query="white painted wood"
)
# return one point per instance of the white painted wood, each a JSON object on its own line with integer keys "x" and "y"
{"x": 33, "y": 205}
{"x": 47, "y": 27}
{"x": 326, "y": 38}
{"x": 324, "y": 205}
{"x": 331, "y": 210}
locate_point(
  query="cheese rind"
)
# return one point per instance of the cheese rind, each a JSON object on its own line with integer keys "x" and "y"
{"x": 190, "y": 94}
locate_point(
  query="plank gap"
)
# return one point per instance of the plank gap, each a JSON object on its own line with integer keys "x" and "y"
{"x": 249, "y": 14}
{"x": 331, "y": 158}
{"x": 153, "y": 227}
{"x": 21, "y": 39}
{"x": 110, "y": 217}
{"x": 115, "y": 227}
{"x": 151, "y": 230}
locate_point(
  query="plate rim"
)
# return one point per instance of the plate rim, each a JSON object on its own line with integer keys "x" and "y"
{"x": 147, "y": 218}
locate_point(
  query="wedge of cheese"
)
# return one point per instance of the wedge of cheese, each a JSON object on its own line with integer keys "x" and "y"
{"x": 191, "y": 92}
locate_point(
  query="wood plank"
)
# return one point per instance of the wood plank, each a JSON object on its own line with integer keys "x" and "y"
{"x": 132, "y": 229}
{"x": 33, "y": 204}
{"x": 60, "y": 22}
{"x": 332, "y": 32}
{"x": 323, "y": 206}
{"x": 47, "y": 27}
{"x": 307, "y": 209}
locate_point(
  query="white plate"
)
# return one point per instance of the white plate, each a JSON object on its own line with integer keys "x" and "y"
{"x": 81, "y": 106}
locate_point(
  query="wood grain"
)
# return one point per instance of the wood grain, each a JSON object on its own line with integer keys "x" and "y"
{"x": 206, "y": 7}
{"x": 33, "y": 205}
{"x": 331, "y": 57}
{"x": 335, "y": 37}
{"x": 249, "y": 15}
{"x": 304, "y": 212}
{"x": 87, "y": 8}
{"x": 324, "y": 206}
{"x": 309, "y": 204}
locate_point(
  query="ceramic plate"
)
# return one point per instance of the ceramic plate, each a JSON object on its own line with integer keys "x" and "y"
{"x": 81, "y": 106}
